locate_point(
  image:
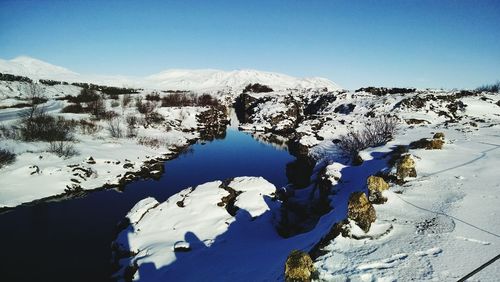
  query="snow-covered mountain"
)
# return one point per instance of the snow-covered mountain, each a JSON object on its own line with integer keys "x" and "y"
{"x": 217, "y": 79}
{"x": 37, "y": 69}
{"x": 174, "y": 79}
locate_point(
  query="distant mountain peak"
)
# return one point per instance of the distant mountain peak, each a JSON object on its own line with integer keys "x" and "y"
{"x": 170, "y": 79}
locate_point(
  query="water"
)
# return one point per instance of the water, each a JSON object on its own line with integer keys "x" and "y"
{"x": 70, "y": 240}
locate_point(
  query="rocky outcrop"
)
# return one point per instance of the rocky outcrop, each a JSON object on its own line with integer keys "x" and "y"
{"x": 436, "y": 143}
{"x": 380, "y": 91}
{"x": 299, "y": 267}
{"x": 375, "y": 186}
{"x": 406, "y": 167}
{"x": 438, "y": 135}
{"x": 361, "y": 211}
{"x": 214, "y": 122}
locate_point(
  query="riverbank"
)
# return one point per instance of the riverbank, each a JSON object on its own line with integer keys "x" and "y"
{"x": 416, "y": 227}
{"x": 100, "y": 151}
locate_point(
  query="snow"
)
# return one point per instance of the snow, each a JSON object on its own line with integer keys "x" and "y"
{"x": 202, "y": 80}
{"x": 18, "y": 182}
{"x": 444, "y": 222}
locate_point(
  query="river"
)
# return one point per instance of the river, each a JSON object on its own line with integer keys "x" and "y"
{"x": 70, "y": 240}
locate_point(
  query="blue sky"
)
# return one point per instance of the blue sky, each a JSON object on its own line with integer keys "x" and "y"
{"x": 354, "y": 43}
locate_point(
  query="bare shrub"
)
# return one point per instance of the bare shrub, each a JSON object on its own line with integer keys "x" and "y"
{"x": 132, "y": 122}
{"x": 495, "y": 87}
{"x": 62, "y": 148}
{"x": 97, "y": 108}
{"x": 188, "y": 99}
{"x": 85, "y": 96}
{"x": 148, "y": 110}
{"x": 115, "y": 104}
{"x": 34, "y": 110}
{"x": 126, "y": 99}
{"x": 150, "y": 142}
{"x": 114, "y": 127}
{"x": 154, "y": 96}
{"x": 9, "y": 132}
{"x": 374, "y": 133}
{"x": 88, "y": 127}
{"x": 74, "y": 108}
{"x": 6, "y": 157}
{"x": 46, "y": 128}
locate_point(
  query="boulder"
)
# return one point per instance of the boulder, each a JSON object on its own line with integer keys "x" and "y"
{"x": 299, "y": 267}
{"x": 361, "y": 210}
{"x": 435, "y": 144}
{"x": 375, "y": 186}
{"x": 438, "y": 135}
{"x": 406, "y": 167}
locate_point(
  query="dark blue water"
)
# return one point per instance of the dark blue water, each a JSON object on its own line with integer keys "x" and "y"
{"x": 70, "y": 240}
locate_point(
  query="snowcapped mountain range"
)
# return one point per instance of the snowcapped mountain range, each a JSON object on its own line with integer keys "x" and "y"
{"x": 172, "y": 79}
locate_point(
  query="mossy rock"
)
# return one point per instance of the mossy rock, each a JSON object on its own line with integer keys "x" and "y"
{"x": 435, "y": 144}
{"x": 375, "y": 186}
{"x": 361, "y": 210}
{"x": 406, "y": 167}
{"x": 438, "y": 135}
{"x": 299, "y": 267}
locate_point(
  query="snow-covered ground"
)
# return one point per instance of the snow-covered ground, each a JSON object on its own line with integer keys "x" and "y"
{"x": 444, "y": 223}
{"x": 37, "y": 173}
{"x": 437, "y": 226}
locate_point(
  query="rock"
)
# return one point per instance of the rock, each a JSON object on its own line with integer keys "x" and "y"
{"x": 375, "y": 187}
{"x": 406, "y": 167}
{"x": 438, "y": 135}
{"x": 361, "y": 210}
{"x": 299, "y": 267}
{"x": 357, "y": 160}
{"x": 428, "y": 144}
{"x": 435, "y": 144}
{"x": 182, "y": 247}
{"x": 90, "y": 160}
{"x": 345, "y": 109}
{"x": 416, "y": 121}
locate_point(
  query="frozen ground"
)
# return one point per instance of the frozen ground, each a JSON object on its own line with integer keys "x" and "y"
{"x": 37, "y": 173}
{"x": 437, "y": 226}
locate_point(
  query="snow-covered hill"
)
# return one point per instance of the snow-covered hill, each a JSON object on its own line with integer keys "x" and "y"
{"x": 216, "y": 79}
{"x": 175, "y": 79}
{"x": 36, "y": 69}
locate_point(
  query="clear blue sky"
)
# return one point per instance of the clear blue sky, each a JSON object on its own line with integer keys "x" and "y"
{"x": 354, "y": 43}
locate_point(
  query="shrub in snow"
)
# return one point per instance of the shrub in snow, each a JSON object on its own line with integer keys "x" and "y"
{"x": 126, "y": 99}
{"x": 495, "y": 87}
{"x": 188, "y": 99}
{"x": 85, "y": 96}
{"x": 73, "y": 108}
{"x": 46, "y": 128}
{"x": 361, "y": 210}
{"x": 88, "y": 127}
{"x": 154, "y": 96}
{"x": 374, "y": 133}
{"x": 257, "y": 88}
{"x": 115, "y": 104}
{"x": 62, "y": 148}
{"x": 6, "y": 157}
{"x": 9, "y": 132}
{"x": 299, "y": 267}
{"x": 97, "y": 108}
{"x": 114, "y": 128}
{"x": 132, "y": 122}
